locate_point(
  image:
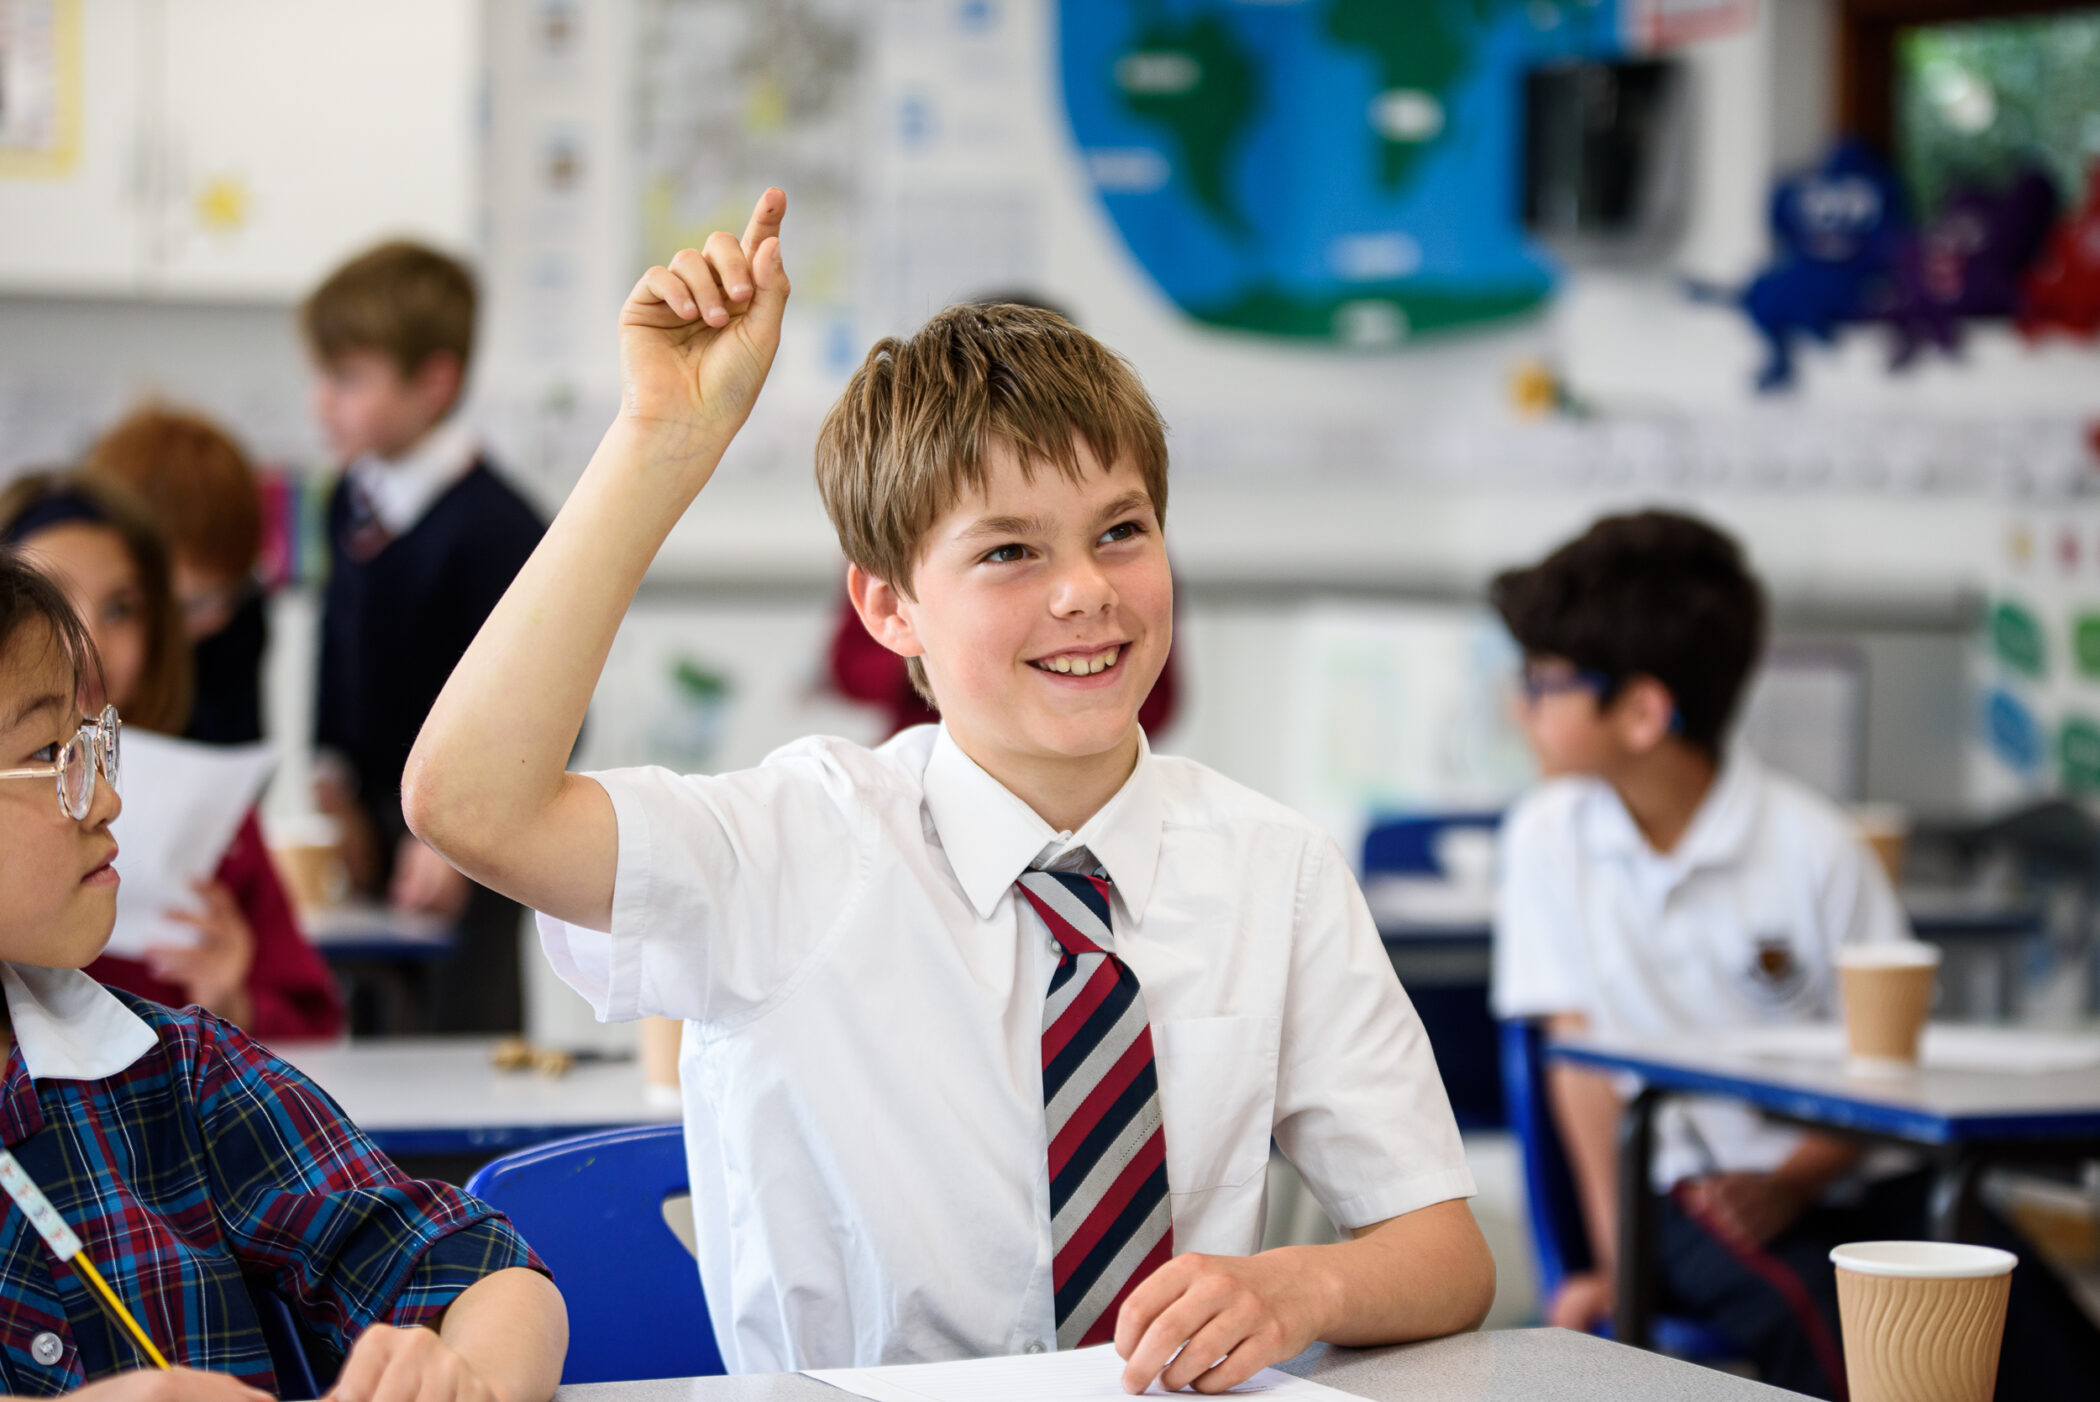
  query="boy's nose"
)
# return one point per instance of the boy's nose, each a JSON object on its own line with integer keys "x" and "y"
{"x": 1081, "y": 589}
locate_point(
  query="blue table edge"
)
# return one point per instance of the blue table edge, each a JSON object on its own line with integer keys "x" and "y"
{"x": 1843, "y": 1112}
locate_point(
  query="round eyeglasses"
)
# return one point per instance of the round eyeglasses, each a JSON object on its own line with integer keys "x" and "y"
{"x": 96, "y": 746}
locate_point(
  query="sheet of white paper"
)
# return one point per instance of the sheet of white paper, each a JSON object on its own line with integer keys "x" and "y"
{"x": 1947, "y": 1047}
{"x": 1082, "y": 1375}
{"x": 183, "y": 802}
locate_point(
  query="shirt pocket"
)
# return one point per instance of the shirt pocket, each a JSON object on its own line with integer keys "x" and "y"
{"x": 1217, "y": 1097}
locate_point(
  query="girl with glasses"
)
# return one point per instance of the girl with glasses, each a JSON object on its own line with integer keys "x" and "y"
{"x": 199, "y": 1171}
{"x": 250, "y": 963}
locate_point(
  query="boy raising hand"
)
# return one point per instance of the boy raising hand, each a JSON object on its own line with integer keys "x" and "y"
{"x": 989, "y": 1028}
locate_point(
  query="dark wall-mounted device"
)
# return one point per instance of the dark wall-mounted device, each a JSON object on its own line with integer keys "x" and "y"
{"x": 1605, "y": 153}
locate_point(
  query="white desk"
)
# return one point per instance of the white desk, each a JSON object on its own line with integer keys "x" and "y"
{"x": 1519, "y": 1365}
{"x": 443, "y": 1095}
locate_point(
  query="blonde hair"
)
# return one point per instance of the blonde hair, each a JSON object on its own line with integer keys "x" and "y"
{"x": 402, "y": 299}
{"x": 908, "y": 437}
{"x": 194, "y": 479}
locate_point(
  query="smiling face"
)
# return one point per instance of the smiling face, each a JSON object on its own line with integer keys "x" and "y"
{"x": 58, "y": 881}
{"x": 1043, "y": 609}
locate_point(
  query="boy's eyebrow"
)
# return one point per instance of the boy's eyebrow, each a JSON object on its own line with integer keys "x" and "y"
{"x": 1036, "y": 525}
{"x": 1002, "y": 526}
{"x": 1126, "y": 503}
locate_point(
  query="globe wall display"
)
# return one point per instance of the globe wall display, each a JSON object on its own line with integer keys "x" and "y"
{"x": 1345, "y": 171}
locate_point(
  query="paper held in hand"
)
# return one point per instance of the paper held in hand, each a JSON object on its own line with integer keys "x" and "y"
{"x": 1082, "y": 1375}
{"x": 183, "y": 803}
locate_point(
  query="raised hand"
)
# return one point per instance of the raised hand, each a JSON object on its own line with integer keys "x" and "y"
{"x": 697, "y": 337}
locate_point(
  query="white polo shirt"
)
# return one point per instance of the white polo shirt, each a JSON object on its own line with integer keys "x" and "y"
{"x": 863, "y": 1062}
{"x": 1738, "y": 926}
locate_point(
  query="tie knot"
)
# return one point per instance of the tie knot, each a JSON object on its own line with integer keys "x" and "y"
{"x": 1074, "y": 906}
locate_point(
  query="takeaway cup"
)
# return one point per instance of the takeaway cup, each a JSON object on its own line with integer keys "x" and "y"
{"x": 1922, "y": 1320}
{"x": 1887, "y": 990}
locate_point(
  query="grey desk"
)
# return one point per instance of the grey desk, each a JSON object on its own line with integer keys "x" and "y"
{"x": 1519, "y": 1365}
{"x": 1963, "y": 1120}
{"x": 443, "y": 1095}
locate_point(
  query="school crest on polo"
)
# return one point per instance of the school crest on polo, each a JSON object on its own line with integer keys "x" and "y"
{"x": 1775, "y": 971}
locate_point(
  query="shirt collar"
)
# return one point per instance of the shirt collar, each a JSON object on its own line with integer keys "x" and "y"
{"x": 69, "y": 1027}
{"x": 1715, "y": 836}
{"x": 401, "y": 489}
{"x": 991, "y": 836}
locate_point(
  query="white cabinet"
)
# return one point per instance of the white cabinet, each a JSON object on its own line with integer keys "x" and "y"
{"x": 240, "y": 148}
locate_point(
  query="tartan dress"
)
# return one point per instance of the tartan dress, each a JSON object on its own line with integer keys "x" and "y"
{"x": 204, "y": 1164}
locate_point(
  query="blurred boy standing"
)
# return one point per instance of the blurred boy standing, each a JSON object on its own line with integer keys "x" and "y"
{"x": 423, "y": 538}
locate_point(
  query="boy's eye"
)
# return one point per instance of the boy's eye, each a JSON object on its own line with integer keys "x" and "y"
{"x": 47, "y": 755}
{"x": 1122, "y": 530}
{"x": 1006, "y": 555}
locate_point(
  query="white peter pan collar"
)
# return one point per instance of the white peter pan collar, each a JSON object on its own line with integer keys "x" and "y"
{"x": 69, "y": 1027}
{"x": 402, "y": 489}
{"x": 991, "y": 836}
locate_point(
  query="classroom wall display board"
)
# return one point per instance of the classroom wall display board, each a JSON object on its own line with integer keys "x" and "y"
{"x": 2038, "y": 662}
{"x": 1344, "y": 172}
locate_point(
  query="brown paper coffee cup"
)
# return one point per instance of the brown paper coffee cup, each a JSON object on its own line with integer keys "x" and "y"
{"x": 1922, "y": 1320}
{"x": 1886, "y": 829}
{"x": 1887, "y": 990}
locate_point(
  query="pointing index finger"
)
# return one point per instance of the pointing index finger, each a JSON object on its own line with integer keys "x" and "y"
{"x": 765, "y": 220}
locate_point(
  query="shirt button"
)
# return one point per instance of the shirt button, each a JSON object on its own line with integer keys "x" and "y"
{"x": 47, "y": 1348}
{"x": 1034, "y": 1345}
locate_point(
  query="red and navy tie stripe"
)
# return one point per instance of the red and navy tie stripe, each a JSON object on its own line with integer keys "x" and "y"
{"x": 1109, "y": 1219}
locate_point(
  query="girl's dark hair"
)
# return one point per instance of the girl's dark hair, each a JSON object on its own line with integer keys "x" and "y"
{"x": 27, "y": 594}
{"x": 44, "y": 500}
{"x": 1655, "y": 594}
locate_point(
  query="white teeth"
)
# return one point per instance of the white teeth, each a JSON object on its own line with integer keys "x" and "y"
{"x": 1081, "y": 666}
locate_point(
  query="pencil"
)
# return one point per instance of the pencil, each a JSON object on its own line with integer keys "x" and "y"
{"x": 116, "y": 1308}
{"x": 66, "y": 1245}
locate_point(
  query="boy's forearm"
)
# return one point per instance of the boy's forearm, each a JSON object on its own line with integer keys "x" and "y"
{"x": 493, "y": 753}
{"x": 1420, "y": 1276}
{"x": 513, "y": 1328}
{"x": 1586, "y": 1109}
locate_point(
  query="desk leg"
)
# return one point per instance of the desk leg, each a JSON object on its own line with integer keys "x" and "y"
{"x": 1953, "y": 1216}
{"x": 1636, "y": 1266}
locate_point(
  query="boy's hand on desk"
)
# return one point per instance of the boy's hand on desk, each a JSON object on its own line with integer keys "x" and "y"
{"x": 697, "y": 337}
{"x": 1235, "y": 1314}
{"x": 407, "y": 1365}
{"x": 174, "y": 1385}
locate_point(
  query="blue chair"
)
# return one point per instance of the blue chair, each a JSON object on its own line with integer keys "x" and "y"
{"x": 1559, "y": 1242}
{"x": 298, "y": 1377}
{"x": 592, "y": 1207}
{"x": 1454, "y": 1014}
{"x": 1406, "y": 846}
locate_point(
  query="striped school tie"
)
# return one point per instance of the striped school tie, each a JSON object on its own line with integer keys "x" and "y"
{"x": 1109, "y": 1222}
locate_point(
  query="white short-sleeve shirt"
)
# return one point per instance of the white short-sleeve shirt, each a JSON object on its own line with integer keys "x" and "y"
{"x": 862, "y": 1065}
{"x": 1738, "y": 926}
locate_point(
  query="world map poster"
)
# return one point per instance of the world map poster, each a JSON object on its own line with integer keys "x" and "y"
{"x": 1346, "y": 171}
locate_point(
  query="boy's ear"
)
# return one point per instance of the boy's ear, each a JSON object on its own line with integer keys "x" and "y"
{"x": 1643, "y": 713}
{"x": 438, "y": 381}
{"x": 881, "y": 610}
